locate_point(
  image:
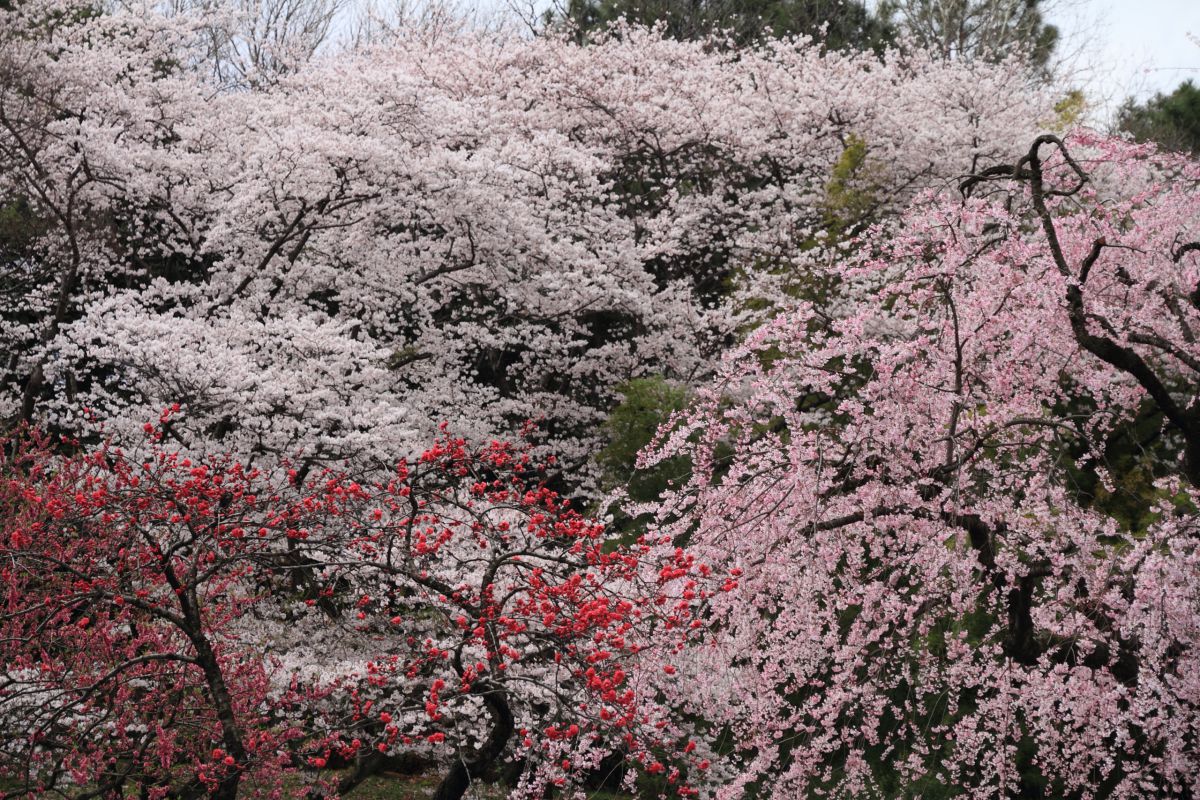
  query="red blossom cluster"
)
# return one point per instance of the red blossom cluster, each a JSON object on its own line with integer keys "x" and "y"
{"x": 146, "y": 600}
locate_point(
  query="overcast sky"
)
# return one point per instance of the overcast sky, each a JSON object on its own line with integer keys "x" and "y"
{"x": 1133, "y": 47}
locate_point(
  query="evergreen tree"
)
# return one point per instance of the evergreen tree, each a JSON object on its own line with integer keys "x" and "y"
{"x": 1171, "y": 120}
{"x": 968, "y": 29}
{"x": 840, "y": 24}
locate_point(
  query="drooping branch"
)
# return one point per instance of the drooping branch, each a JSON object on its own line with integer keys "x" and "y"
{"x": 1030, "y": 169}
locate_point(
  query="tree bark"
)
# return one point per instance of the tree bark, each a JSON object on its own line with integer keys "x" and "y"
{"x": 463, "y": 772}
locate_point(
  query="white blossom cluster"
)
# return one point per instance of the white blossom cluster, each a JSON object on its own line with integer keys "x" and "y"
{"x": 484, "y": 229}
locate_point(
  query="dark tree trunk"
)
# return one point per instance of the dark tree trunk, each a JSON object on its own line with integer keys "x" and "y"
{"x": 464, "y": 771}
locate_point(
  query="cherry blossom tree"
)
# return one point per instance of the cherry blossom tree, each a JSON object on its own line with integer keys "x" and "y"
{"x": 932, "y": 597}
{"x": 444, "y": 225}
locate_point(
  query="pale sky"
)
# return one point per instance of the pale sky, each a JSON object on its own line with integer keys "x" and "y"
{"x": 1130, "y": 47}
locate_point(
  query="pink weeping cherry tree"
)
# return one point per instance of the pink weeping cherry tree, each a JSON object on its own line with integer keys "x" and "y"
{"x": 924, "y": 485}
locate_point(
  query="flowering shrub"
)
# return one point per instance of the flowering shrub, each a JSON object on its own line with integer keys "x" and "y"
{"x": 123, "y": 581}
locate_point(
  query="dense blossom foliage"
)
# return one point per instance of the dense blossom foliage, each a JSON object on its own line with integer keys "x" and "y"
{"x": 446, "y": 225}
{"x": 177, "y": 627}
{"x": 934, "y": 599}
{"x": 520, "y": 622}
{"x": 928, "y": 528}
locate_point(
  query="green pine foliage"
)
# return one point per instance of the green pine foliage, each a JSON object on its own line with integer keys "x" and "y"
{"x": 839, "y": 24}
{"x": 1172, "y": 120}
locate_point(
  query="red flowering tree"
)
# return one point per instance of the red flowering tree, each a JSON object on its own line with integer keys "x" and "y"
{"x": 124, "y": 580}
{"x": 965, "y": 498}
{"x": 181, "y": 628}
{"x": 490, "y": 620}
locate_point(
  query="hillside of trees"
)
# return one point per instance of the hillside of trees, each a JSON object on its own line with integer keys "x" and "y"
{"x": 778, "y": 399}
